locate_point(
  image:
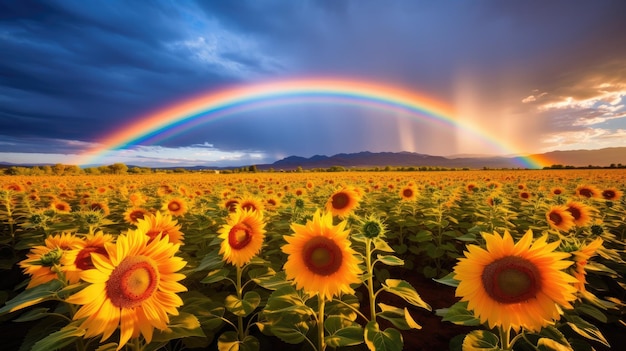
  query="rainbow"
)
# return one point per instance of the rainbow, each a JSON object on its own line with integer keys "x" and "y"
{"x": 229, "y": 101}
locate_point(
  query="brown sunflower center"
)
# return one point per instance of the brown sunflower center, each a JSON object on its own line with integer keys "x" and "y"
{"x": 575, "y": 212}
{"x": 609, "y": 194}
{"x": 231, "y": 205}
{"x": 340, "y": 201}
{"x": 586, "y": 192}
{"x": 135, "y": 216}
{"x": 173, "y": 206}
{"x": 322, "y": 256}
{"x": 248, "y": 206}
{"x": 239, "y": 236}
{"x": 555, "y": 218}
{"x": 407, "y": 193}
{"x": 133, "y": 281}
{"x": 83, "y": 259}
{"x": 557, "y": 191}
{"x": 511, "y": 279}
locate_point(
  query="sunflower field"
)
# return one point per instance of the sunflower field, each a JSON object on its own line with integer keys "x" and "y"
{"x": 459, "y": 260}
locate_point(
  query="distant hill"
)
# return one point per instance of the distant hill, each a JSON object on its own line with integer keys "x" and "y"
{"x": 365, "y": 159}
{"x": 582, "y": 158}
{"x": 576, "y": 158}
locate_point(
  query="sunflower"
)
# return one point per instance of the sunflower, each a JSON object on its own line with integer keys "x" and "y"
{"x": 343, "y": 201}
{"x": 557, "y": 191}
{"x": 299, "y": 191}
{"x": 175, "y": 206}
{"x": 242, "y": 236}
{"x": 588, "y": 191}
{"x": 272, "y": 203}
{"x": 43, "y": 262}
{"x": 14, "y": 187}
{"x": 78, "y": 258}
{"x": 525, "y": 195}
{"x": 230, "y": 204}
{"x": 580, "y": 212}
{"x": 133, "y": 288}
{"x": 137, "y": 198}
{"x": 160, "y": 225}
{"x": 321, "y": 260}
{"x": 407, "y": 193}
{"x": 560, "y": 218}
{"x": 99, "y": 206}
{"x": 134, "y": 214}
{"x": 250, "y": 203}
{"x": 515, "y": 285}
{"x": 61, "y": 206}
{"x": 611, "y": 194}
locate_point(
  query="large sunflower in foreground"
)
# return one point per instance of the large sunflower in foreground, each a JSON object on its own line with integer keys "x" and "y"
{"x": 515, "y": 285}
{"x": 343, "y": 201}
{"x": 133, "y": 288}
{"x": 242, "y": 236}
{"x": 321, "y": 260}
{"x": 159, "y": 225}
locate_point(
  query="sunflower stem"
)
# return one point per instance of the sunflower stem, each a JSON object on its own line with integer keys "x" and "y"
{"x": 505, "y": 336}
{"x": 370, "y": 278}
{"x": 321, "y": 344}
{"x": 240, "y": 329}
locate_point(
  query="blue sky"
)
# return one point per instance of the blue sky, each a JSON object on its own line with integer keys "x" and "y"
{"x": 544, "y": 75}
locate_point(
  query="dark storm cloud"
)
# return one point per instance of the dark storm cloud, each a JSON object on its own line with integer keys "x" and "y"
{"x": 101, "y": 64}
{"x": 76, "y": 70}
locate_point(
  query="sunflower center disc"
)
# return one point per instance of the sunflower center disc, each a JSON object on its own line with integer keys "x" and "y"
{"x": 608, "y": 194}
{"x": 173, "y": 206}
{"x": 340, "y": 201}
{"x": 136, "y": 215}
{"x": 132, "y": 282}
{"x": 322, "y": 256}
{"x": 407, "y": 193}
{"x": 239, "y": 236}
{"x": 511, "y": 279}
{"x": 556, "y": 218}
{"x": 83, "y": 259}
{"x": 574, "y": 211}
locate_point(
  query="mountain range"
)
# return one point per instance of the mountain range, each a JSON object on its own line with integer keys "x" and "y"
{"x": 576, "y": 158}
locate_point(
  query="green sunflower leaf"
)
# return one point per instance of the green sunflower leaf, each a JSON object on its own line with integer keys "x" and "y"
{"x": 270, "y": 279}
{"x": 215, "y": 276}
{"x": 480, "y": 340}
{"x": 342, "y": 332}
{"x": 585, "y": 329}
{"x": 390, "y": 260}
{"x": 181, "y": 326}
{"x": 458, "y": 314}
{"x": 400, "y": 318}
{"x": 381, "y": 245}
{"x": 388, "y": 340}
{"x": 245, "y": 306}
{"x": 229, "y": 341}
{"x": 211, "y": 261}
{"x": 288, "y": 327}
{"x": 448, "y": 280}
{"x": 29, "y": 297}
{"x": 59, "y": 339}
{"x": 404, "y": 290}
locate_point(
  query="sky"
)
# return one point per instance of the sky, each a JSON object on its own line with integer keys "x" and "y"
{"x": 538, "y": 75}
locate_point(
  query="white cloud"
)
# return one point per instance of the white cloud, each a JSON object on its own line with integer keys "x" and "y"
{"x": 588, "y": 138}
